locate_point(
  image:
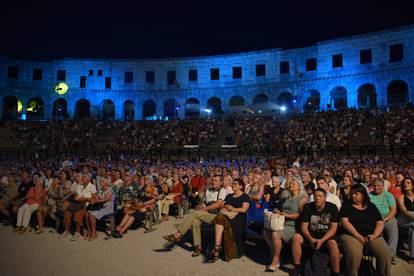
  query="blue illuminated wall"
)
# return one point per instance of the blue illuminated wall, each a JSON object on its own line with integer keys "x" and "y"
{"x": 299, "y": 82}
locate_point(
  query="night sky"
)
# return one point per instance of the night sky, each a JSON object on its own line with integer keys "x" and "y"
{"x": 136, "y": 29}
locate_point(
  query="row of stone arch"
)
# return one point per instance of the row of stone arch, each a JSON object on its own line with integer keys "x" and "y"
{"x": 310, "y": 101}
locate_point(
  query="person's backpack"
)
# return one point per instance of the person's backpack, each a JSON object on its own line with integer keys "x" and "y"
{"x": 316, "y": 264}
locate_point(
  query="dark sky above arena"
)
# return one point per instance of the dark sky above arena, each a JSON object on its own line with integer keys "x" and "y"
{"x": 143, "y": 29}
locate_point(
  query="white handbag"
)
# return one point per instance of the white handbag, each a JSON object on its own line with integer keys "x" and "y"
{"x": 273, "y": 222}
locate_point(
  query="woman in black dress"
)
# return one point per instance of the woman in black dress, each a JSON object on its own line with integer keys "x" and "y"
{"x": 230, "y": 224}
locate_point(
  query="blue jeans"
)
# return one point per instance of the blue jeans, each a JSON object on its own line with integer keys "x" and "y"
{"x": 407, "y": 224}
{"x": 391, "y": 232}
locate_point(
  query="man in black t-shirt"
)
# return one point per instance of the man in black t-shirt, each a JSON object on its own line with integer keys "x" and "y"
{"x": 319, "y": 222}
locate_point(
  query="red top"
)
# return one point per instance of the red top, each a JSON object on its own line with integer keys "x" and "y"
{"x": 177, "y": 189}
{"x": 197, "y": 183}
{"x": 395, "y": 191}
{"x": 36, "y": 196}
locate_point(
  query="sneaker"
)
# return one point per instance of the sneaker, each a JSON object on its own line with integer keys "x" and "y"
{"x": 75, "y": 237}
{"x": 270, "y": 268}
{"x": 63, "y": 235}
{"x": 393, "y": 261}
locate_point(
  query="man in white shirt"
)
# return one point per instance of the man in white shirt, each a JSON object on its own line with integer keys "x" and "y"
{"x": 330, "y": 197}
{"x": 83, "y": 194}
{"x": 214, "y": 200}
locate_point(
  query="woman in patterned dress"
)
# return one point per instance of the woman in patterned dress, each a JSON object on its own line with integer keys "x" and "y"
{"x": 105, "y": 197}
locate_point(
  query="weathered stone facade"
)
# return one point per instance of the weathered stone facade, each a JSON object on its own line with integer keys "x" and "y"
{"x": 386, "y": 75}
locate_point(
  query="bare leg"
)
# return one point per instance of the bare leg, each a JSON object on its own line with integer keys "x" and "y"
{"x": 334, "y": 254}
{"x": 92, "y": 221}
{"x": 127, "y": 225}
{"x": 39, "y": 218}
{"x": 297, "y": 248}
{"x": 123, "y": 222}
{"x": 277, "y": 245}
{"x": 219, "y": 233}
{"x": 88, "y": 226}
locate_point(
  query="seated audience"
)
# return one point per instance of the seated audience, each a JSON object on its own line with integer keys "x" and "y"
{"x": 387, "y": 206}
{"x": 213, "y": 201}
{"x": 362, "y": 225}
{"x": 173, "y": 196}
{"x": 83, "y": 194}
{"x": 101, "y": 206}
{"x": 230, "y": 224}
{"x": 319, "y": 223}
{"x": 8, "y": 192}
{"x": 406, "y": 215}
{"x": 291, "y": 209}
{"x": 34, "y": 199}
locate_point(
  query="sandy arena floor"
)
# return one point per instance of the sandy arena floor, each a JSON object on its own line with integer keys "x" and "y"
{"x": 135, "y": 254}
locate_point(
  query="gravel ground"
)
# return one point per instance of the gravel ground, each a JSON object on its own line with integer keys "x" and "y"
{"x": 135, "y": 254}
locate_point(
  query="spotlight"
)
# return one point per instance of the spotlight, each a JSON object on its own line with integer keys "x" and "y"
{"x": 208, "y": 111}
{"x": 260, "y": 112}
{"x": 283, "y": 108}
{"x": 294, "y": 101}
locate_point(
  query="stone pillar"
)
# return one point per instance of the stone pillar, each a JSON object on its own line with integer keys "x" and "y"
{"x": 119, "y": 111}
{"x": 138, "y": 110}
{"x": 352, "y": 98}
{"x": 71, "y": 109}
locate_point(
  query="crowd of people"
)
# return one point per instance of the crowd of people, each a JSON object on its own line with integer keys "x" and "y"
{"x": 318, "y": 132}
{"x": 326, "y": 203}
{"x": 292, "y": 134}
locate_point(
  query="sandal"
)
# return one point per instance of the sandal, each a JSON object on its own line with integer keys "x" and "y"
{"x": 39, "y": 231}
{"x": 171, "y": 238}
{"x": 197, "y": 251}
{"x": 16, "y": 230}
{"x": 215, "y": 254}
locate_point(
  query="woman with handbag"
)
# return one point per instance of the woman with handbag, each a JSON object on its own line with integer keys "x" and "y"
{"x": 362, "y": 225}
{"x": 230, "y": 224}
{"x": 291, "y": 208}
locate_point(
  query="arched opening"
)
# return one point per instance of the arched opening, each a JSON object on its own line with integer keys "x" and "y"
{"x": 367, "y": 96}
{"x": 236, "y": 101}
{"x": 312, "y": 101}
{"x": 192, "y": 108}
{"x": 339, "y": 98}
{"x": 60, "y": 109}
{"x": 35, "y": 109}
{"x": 83, "y": 109}
{"x": 171, "y": 108}
{"x": 285, "y": 100}
{"x": 149, "y": 109}
{"x": 108, "y": 110}
{"x": 10, "y": 108}
{"x": 260, "y": 99}
{"x": 214, "y": 105}
{"x": 129, "y": 110}
{"x": 397, "y": 93}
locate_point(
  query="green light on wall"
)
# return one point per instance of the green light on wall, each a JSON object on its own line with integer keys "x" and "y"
{"x": 19, "y": 106}
{"x": 61, "y": 88}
